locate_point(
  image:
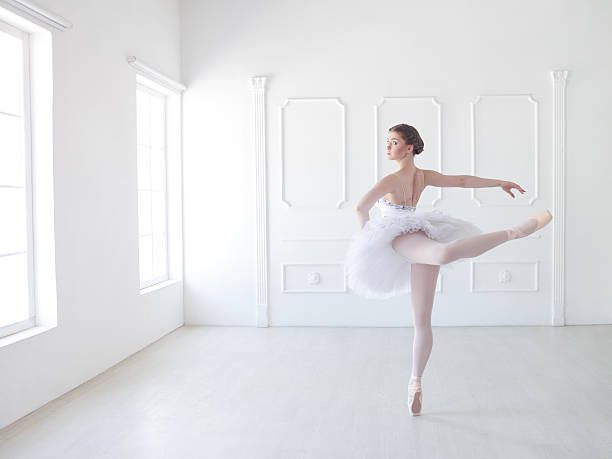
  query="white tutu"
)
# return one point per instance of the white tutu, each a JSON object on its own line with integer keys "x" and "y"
{"x": 373, "y": 269}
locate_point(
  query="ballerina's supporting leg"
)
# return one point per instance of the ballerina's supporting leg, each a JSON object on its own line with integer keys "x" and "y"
{"x": 423, "y": 289}
{"x": 423, "y": 282}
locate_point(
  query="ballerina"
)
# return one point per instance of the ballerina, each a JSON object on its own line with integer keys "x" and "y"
{"x": 407, "y": 246}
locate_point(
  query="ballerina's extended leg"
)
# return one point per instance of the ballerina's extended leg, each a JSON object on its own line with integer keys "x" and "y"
{"x": 420, "y": 249}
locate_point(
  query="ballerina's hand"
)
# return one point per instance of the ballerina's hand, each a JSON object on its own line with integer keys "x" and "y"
{"x": 507, "y": 187}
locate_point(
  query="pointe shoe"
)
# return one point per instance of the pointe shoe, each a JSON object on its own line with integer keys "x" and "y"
{"x": 415, "y": 397}
{"x": 543, "y": 218}
{"x": 524, "y": 229}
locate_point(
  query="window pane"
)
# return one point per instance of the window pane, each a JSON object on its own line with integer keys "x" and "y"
{"x": 158, "y": 211}
{"x": 144, "y": 212}
{"x": 14, "y": 302}
{"x": 158, "y": 124}
{"x": 12, "y": 163}
{"x": 11, "y": 75}
{"x": 160, "y": 256}
{"x": 13, "y": 218}
{"x": 145, "y": 258}
{"x": 142, "y": 118}
{"x": 144, "y": 168}
{"x": 158, "y": 169}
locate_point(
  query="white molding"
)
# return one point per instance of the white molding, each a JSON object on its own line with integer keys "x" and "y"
{"x": 317, "y": 239}
{"x": 35, "y": 11}
{"x": 30, "y": 182}
{"x": 439, "y": 280}
{"x": 536, "y": 263}
{"x": 282, "y": 143}
{"x": 559, "y": 78}
{"x": 156, "y": 76}
{"x": 160, "y": 286}
{"x": 258, "y": 91}
{"x": 377, "y": 106}
{"x": 298, "y": 263}
{"x": 25, "y": 334}
{"x": 536, "y": 131}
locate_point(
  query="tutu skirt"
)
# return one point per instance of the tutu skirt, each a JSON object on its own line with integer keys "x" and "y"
{"x": 373, "y": 269}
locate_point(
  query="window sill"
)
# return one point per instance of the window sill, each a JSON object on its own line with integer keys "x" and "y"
{"x": 159, "y": 286}
{"x": 19, "y": 336}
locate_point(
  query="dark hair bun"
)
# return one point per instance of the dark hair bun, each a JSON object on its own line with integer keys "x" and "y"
{"x": 411, "y": 137}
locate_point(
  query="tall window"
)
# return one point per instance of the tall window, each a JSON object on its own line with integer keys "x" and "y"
{"x": 17, "y": 306}
{"x": 152, "y": 195}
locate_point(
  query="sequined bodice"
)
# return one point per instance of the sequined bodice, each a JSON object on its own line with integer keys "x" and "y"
{"x": 390, "y": 208}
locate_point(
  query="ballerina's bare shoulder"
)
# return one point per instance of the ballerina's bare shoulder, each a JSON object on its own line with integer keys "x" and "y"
{"x": 410, "y": 186}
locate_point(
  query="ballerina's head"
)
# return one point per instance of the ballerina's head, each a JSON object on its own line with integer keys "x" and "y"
{"x": 403, "y": 143}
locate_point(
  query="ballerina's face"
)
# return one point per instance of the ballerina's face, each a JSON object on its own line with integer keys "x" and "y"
{"x": 396, "y": 147}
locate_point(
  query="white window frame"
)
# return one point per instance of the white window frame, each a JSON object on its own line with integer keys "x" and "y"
{"x": 173, "y": 91}
{"x": 166, "y": 275}
{"x": 37, "y": 114}
{"x": 27, "y": 151}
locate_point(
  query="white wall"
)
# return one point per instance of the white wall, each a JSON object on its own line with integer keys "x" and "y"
{"x": 360, "y": 51}
{"x": 102, "y": 319}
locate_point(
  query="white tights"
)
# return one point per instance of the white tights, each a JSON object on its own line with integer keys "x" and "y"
{"x": 428, "y": 255}
{"x": 423, "y": 281}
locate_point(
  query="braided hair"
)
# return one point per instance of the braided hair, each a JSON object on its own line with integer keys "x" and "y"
{"x": 411, "y": 137}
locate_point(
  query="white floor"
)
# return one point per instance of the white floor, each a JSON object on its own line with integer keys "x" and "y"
{"x": 225, "y": 392}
